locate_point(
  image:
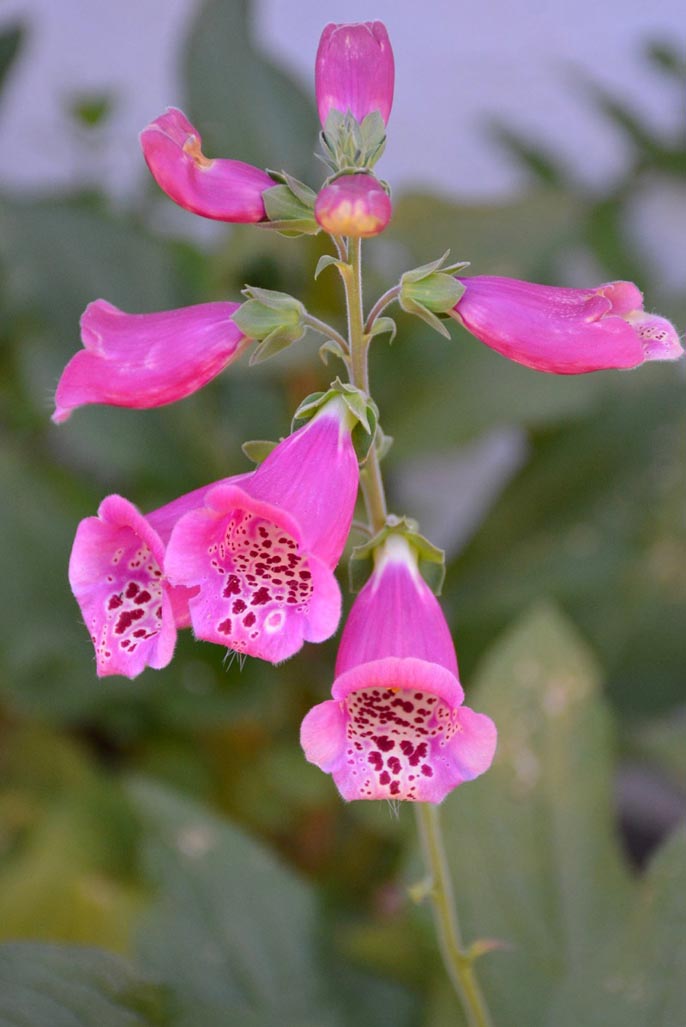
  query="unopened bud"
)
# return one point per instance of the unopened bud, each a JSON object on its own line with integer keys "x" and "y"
{"x": 353, "y": 205}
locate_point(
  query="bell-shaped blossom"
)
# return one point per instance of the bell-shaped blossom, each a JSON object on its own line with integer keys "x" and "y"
{"x": 261, "y": 555}
{"x": 226, "y": 190}
{"x": 354, "y": 205}
{"x": 354, "y": 70}
{"x": 565, "y": 331}
{"x": 147, "y": 360}
{"x": 116, "y": 574}
{"x": 396, "y": 727}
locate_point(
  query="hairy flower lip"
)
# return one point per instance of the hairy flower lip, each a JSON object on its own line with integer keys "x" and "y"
{"x": 563, "y": 330}
{"x": 395, "y": 726}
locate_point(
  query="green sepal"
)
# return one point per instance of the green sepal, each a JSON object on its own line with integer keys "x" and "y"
{"x": 361, "y": 407}
{"x": 410, "y": 307}
{"x": 424, "y": 270}
{"x": 278, "y": 340}
{"x": 303, "y": 192}
{"x": 327, "y": 260}
{"x": 430, "y": 558}
{"x": 257, "y": 450}
{"x": 350, "y": 145}
{"x": 431, "y": 290}
{"x": 335, "y": 348}
{"x": 267, "y": 312}
{"x": 382, "y": 325}
{"x": 290, "y": 207}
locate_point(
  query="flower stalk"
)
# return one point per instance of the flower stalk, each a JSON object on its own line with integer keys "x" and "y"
{"x": 459, "y": 964}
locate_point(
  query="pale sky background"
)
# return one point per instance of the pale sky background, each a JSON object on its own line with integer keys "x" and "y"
{"x": 456, "y": 63}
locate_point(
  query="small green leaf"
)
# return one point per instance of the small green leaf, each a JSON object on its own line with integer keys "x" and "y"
{"x": 257, "y": 450}
{"x": 382, "y": 325}
{"x": 327, "y": 260}
{"x": 277, "y": 341}
{"x": 410, "y": 307}
{"x": 331, "y": 346}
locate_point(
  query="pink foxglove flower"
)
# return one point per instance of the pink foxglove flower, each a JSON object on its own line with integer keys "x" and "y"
{"x": 354, "y": 205}
{"x": 396, "y": 727}
{"x": 116, "y": 574}
{"x": 147, "y": 360}
{"x": 226, "y": 190}
{"x": 354, "y": 70}
{"x": 565, "y": 331}
{"x": 261, "y": 555}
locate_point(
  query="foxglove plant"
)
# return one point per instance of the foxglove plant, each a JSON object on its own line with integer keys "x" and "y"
{"x": 249, "y": 561}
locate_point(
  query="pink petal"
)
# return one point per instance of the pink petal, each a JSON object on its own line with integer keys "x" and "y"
{"x": 314, "y": 475}
{"x": 396, "y": 614}
{"x": 565, "y": 331}
{"x": 396, "y": 730}
{"x": 147, "y": 360}
{"x": 226, "y": 190}
{"x": 115, "y": 572}
{"x": 260, "y": 592}
{"x": 354, "y": 70}
{"x": 354, "y": 205}
{"x": 322, "y": 735}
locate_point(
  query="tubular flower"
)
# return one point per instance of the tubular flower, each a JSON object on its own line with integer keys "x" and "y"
{"x": 565, "y": 331}
{"x": 147, "y": 360}
{"x": 354, "y": 205}
{"x": 396, "y": 727}
{"x": 226, "y": 190}
{"x": 354, "y": 70}
{"x": 261, "y": 556}
{"x": 115, "y": 572}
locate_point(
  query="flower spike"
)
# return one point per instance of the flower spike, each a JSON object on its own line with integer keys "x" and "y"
{"x": 565, "y": 331}
{"x": 396, "y": 727}
{"x": 225, "y": 190}
{"x": 147, "y": 360}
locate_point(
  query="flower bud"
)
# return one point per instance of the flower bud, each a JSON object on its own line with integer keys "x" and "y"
{"x": 354, "y": 205}
{"x": 354, "y": 71}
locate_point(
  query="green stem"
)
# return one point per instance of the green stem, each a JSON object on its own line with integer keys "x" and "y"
{"x": 380, "y": 305}
{"x": 326, "y": 330}
{"x": 458, "y": 963}
{"x": 371, "y": 480}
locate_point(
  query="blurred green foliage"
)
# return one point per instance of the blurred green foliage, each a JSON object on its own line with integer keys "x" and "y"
{"x": 172, "y": 822}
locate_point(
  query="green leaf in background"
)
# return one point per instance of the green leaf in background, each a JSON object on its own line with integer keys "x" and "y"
{"x": 535, "y": 859}
{"x": 232, "y": 932}
{"x": 66, "y": 844}
{"x": 11, "y": 41}
{"x": 595, "y": 521}
{"x": 244, "y": 106}
{"x": 69, "y": 986}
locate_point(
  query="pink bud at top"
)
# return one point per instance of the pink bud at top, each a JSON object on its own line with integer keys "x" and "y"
{"x": 396, "y": 727}
{"x": 565, "y": 331}
{"x": 261, "y": 556}
{"x": 354, "y": 71}
{"x": 147, "y": 360}
{"x": 353, "y": 205}
{"x": 226, "y": 190}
